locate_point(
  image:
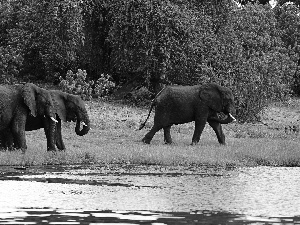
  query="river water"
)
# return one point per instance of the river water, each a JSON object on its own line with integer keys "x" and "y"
{"x": 149, "y": 195}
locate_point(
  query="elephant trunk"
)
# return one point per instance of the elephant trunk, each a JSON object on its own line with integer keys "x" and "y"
{"x": 86, "y": 125}
{"x": 84, "y": 130}
{"x": 227, "y": 120}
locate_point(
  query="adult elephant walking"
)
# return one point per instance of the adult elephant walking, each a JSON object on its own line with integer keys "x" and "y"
{"x": 183, "y": 104}
{"x": 68, "y": 108}
{"x": 17, "y": 102}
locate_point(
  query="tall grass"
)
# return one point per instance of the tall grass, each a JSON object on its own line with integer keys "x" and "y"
{"x": 114, "y": 139}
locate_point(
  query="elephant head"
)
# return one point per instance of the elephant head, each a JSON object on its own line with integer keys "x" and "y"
{"x": 219, "y": 99}
{"x": 71, "y": 108}
{"x": 38, "y": 100}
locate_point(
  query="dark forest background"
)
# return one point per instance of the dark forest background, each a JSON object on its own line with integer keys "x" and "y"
{"x": 250, "y": 47}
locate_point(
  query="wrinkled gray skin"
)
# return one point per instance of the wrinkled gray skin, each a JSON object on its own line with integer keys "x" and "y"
{"x": 183, "y": 104}
{"x": 68, "y": 108}
{"x": 17, "y": 103}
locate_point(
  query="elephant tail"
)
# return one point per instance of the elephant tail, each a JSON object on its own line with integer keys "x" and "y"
{"x": 152, "y": 105}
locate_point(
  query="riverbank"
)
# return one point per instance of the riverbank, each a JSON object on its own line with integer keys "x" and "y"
{"x": 115, "y": 139}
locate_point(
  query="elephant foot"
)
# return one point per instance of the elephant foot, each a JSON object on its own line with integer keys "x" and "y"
{"x": 168, "y": 142}
{"x": 194, "y": 143}
{"x": 146, "y": 140}
{"x": 51, "y": 149}
{"x": 10, "y": 148}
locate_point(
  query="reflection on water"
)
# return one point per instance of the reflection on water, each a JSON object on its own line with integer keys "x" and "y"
{"x": 48, "y": 216}
{"x": 248, "y": 194}
{"x": 268, "y": 191}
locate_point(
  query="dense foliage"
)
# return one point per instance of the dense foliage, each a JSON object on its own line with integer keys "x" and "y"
{"x": 252, "y": 49}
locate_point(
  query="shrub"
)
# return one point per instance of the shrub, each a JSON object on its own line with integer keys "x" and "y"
{"x": 104, "y": 86}
{"x": 77, "y": 84}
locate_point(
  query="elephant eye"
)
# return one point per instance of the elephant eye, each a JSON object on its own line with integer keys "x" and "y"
{"x": 46, "y": 101}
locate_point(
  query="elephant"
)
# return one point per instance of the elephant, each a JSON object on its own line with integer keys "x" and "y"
{"x": 183, "y": 104}
{"x": 68, "y": 107}
{"x": 18, "y": 102}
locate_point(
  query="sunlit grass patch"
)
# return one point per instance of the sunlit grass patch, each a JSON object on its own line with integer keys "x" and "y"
{"x": 267, "y": 152}
{"x": 114, "y": 139}
{"x": 238, "y": 152}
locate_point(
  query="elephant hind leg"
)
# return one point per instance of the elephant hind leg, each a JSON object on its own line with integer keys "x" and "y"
{"x": 6, "y": 139}
{"x": 19, "y": 139}
{"x": 148, "y": 137}
{"x": 167, "y": 135}
{"x": 18, "y": 132}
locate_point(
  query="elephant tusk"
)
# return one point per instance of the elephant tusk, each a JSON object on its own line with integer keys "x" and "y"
{"x": 232, "y": 117}
{"x": 52, "y": 118}
{"x": 84, "y": 124}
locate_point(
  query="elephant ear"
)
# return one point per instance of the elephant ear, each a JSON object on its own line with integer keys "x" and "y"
{"x": 59, "y": 102}
{"x": 211, "y": 95}
{"x": 29, "y": 96}
{"x": 226, "y": 94}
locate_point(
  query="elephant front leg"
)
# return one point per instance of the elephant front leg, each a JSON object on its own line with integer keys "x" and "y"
{"x": 217, "y": 127}
{"x": 50, "y": 128}
{"x": 199, "y": 126}
{"x": 58, "y": 137}
{"x": 167, "y": 135}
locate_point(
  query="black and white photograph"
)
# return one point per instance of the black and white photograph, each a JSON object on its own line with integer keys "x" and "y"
{"x": 153, "y": 112}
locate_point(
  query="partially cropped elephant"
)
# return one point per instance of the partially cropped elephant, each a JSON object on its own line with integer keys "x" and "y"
{"x": 68, "y": 108}
{"x": 183, "y": 104}
{"x": 17, "y": 103}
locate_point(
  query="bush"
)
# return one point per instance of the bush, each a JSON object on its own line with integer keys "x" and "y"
{"x": 77, "y": 84}
{"x": 104, "y": 86}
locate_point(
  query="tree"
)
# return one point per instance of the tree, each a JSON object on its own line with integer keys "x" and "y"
{"x": 265, "y": 71}
{"x": 95, "y": 53}
{"x": 288, "y": 23}
{"x": 147, "y": 38}
{"x": 11, "y": 57}
{"x": 45, "y": 33}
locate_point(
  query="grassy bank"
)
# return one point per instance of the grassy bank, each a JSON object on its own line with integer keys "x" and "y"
{"x": 114, "y": 138}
